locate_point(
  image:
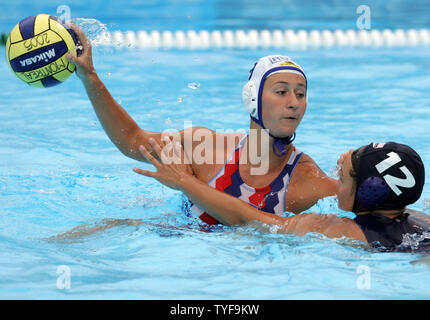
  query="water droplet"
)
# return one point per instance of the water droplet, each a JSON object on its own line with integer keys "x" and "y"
{"x": 193, "y": 85}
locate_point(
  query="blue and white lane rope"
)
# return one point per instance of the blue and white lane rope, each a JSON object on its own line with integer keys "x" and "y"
{"x": 253, "y": 39}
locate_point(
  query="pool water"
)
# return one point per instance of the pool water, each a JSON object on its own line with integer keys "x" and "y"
{"x": 58, "y": 171}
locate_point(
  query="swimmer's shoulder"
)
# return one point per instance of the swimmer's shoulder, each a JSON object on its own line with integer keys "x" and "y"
{"x": 307, "y": 167}
{"x": 328, "y": 224}
{"x": 346, "y": 227}
{"x": 307, "y": 185}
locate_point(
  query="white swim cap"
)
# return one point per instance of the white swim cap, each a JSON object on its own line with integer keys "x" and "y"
{"x": 253, "y": 89}
{"x": 263, "y": 68}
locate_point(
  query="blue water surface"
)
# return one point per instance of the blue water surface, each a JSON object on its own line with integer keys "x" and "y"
{"x": 58, "y": 169}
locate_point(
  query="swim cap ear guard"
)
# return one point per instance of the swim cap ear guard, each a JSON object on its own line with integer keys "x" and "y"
{"x": 388, "y": 176}
{"x": 252, "y": 91}
{"x": 249, "y": 97}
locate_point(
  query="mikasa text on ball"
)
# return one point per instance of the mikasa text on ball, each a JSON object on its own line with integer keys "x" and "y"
{"x": 37, "y": 48}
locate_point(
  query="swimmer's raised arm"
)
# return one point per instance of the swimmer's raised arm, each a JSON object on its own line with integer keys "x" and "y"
{"x": 122, "y": 130}
{"x": 233, "y": 211}
{"x": 119, "y": 126}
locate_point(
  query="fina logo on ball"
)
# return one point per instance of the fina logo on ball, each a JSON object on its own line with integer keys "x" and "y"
{"x": 43, "y": 56}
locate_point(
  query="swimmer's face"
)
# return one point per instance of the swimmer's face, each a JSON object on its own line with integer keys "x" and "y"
{"x": 346, "y": 183}
{"x": 283, "y": 103}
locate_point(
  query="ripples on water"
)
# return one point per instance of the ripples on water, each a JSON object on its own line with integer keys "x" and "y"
{"x": 62, "y": 172}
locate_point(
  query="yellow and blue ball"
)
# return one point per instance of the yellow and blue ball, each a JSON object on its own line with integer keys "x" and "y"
{"x": 36, "y": 50}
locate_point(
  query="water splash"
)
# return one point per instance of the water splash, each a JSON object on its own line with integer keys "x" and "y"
{"x": 416, "y": 242}
{"x": 327, "y": 205}
{"x": 334, "y": 172}
{"x": 96, "y": 32}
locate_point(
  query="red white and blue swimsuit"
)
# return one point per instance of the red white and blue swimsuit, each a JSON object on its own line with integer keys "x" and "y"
{"x": 269, "y": 199}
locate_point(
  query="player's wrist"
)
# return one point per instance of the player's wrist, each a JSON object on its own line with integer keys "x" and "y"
{"x": 187, "y": 181}
{"x": 89, "y": 77}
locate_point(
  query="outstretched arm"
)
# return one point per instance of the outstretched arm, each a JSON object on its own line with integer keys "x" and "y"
{"x": 233, "y": 211}
{"x": 117, "y": 123}
{"x": 121, "y": 129}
